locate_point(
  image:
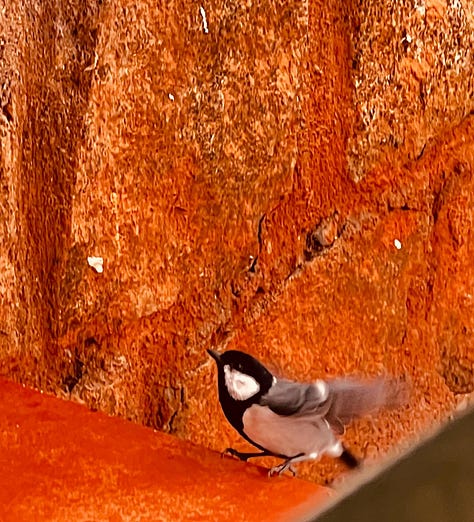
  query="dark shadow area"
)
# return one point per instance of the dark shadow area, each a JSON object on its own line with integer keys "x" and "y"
{"x": 57, "y": 80}
{"x": 435, "y": 483}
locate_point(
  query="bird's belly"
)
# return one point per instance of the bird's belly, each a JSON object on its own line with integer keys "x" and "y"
{"x": 287, "y": 435}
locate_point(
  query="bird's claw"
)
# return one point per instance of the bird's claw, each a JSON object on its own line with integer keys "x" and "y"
{"x": 281, "y": 468}
{"x": 233, "y": 453}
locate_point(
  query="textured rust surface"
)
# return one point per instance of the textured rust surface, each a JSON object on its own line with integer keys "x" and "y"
{"x": 412, "y": 72}
{"x": 269, "y": 181}
{"x": 62, "y": 462}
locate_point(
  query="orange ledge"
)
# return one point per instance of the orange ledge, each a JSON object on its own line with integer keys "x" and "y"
{"x": 60, "y": 461}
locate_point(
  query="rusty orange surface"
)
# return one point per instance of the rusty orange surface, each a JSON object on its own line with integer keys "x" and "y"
{"x": 61, "y": 461}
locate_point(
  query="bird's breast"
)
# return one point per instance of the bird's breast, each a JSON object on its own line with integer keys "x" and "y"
{"x": 286, "y": 435}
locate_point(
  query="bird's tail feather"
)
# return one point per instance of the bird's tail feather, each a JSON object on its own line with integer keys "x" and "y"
{"x": 349, "y": 459}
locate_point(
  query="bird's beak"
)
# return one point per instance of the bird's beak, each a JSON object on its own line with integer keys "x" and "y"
{"x": 216, "y": 356}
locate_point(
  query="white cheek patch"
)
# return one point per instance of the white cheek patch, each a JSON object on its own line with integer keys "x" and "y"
{"x": 240, "y": 386}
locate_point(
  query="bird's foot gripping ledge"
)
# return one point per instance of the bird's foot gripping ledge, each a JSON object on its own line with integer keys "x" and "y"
{"x": 281, "y": 468}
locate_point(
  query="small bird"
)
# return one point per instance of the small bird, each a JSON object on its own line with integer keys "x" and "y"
{"x": 292, "y": 420}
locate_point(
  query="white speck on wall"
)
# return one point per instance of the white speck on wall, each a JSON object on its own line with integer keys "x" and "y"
{"x": 398, "y": 244}
{"x": 97, "y": 263}
{"x": 420, "y": 7}
{"x": 204, "y": 19}
{"x": 456, "y": 4}
{"x": 94, "y": 64}
{"x": 171, "y": 96}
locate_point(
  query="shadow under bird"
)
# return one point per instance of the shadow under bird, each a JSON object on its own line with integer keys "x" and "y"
{"x": 292, "y": 420}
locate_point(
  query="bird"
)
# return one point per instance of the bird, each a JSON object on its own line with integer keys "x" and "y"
{"x": 296, "y": 421}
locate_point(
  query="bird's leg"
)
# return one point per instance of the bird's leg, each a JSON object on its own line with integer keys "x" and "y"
{"x": 287, "y": 465}
{"x": 245, "y": 456}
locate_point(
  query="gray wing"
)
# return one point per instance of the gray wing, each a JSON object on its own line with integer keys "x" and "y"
{"x": 294, "y": 398}
{"x": 338, "y": 400}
